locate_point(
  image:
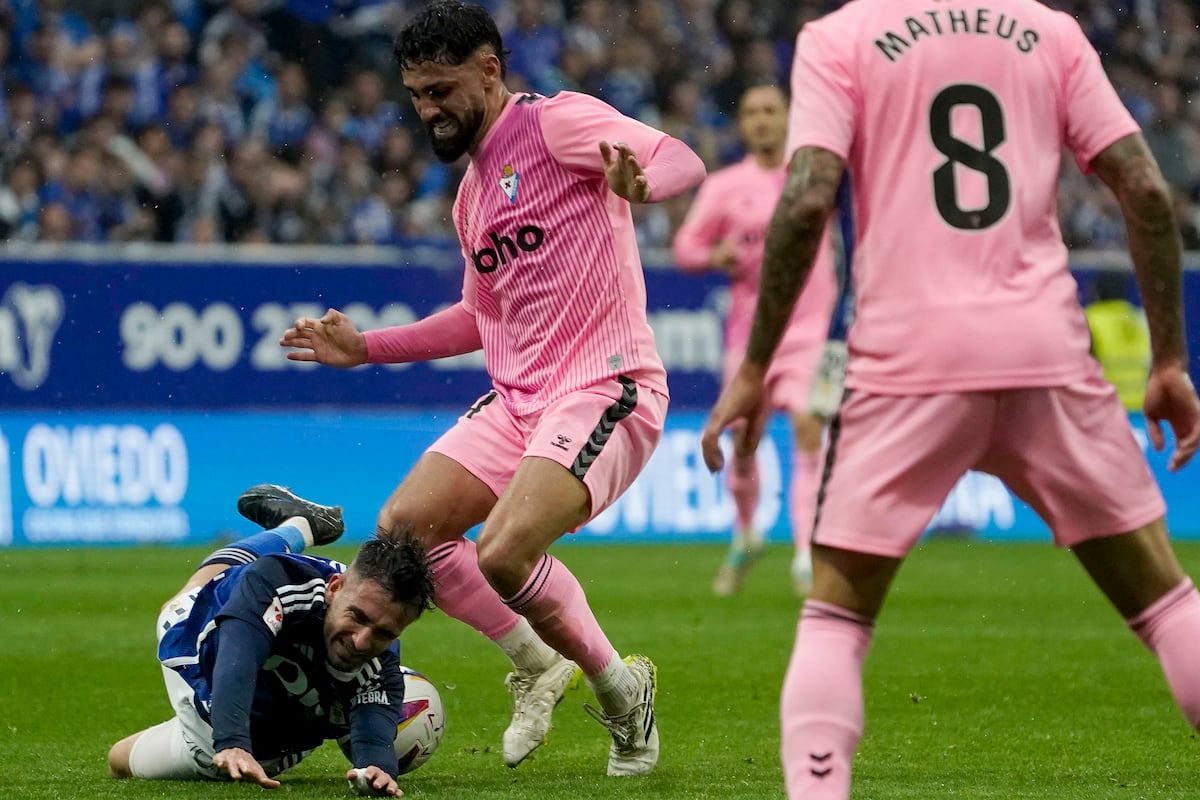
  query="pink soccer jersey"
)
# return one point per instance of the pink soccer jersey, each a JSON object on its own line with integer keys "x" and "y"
{"x": 952, "y": 119}
{"x": 736, "y": 203}
{"x": 553, "y": 274}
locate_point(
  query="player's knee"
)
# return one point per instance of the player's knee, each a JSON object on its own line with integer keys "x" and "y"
{"x": 505, "y": 568}
{"x": 118, "y": 759}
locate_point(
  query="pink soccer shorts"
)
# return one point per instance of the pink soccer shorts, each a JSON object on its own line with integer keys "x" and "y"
{"x": 1067, "y": 451}
{"x": 603, "y": 434}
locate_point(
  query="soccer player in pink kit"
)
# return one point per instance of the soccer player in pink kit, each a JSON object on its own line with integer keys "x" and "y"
{"x": 969, "y": 348}
{"x": 725, "y": 230}
{"x": 554, "y": 295}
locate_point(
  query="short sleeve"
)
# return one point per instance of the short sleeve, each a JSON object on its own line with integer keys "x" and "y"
{"x": 1095, "y": 117}
{"x": 574, "y": 125}
{"x": 825, "y": 100}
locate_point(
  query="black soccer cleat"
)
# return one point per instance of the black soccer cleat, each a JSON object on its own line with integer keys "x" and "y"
{"x": 270, "y": 505}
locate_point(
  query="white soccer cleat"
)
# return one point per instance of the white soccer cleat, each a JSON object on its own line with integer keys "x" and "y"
{"x": 738, "y": 560}
{"x": 634, "y": 748}
{"x": 534, "y": 698}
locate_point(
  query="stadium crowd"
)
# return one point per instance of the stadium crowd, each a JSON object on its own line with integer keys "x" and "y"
{"x": 283, "y": 121}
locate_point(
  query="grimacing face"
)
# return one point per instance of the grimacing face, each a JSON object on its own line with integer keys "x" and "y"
{"x": 361, "y": 620}
{"x": 762, "y": 119}
{"x": 451, "y": 101}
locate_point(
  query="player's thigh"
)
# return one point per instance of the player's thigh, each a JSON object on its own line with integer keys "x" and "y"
{"x": 1070, "y": 453}
{"x": 613, "y": 426}
{"x": 789, "y": 384}
{"x": 890, "y": 461}
{"x": 583, "y": 452}
{"x": 790, "y": 376}
{"x": 1132, "y": 569}
{"x": 455, "y": 483}
{"x": 178, "y": 749}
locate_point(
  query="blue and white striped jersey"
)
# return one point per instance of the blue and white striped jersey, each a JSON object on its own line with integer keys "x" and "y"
{"x": 284, "y": 697}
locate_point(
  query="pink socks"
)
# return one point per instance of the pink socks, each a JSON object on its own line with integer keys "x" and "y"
{"x": 463, "y": 593}
{"x": 1170, "y": 627}
{"x": 822, "y": 703}
{"x": 555, "y": 605}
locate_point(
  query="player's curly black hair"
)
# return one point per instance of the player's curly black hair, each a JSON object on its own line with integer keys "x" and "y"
{"x": 398, "y": 562}
{"x": 448, "y": 32}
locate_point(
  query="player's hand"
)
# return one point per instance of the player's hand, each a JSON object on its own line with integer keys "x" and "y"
{"x": 624, "y": 173}
{"x": 331, "y": 340}
{"x": 742, "y": 400}
{"x": 1171, "y": 398}
{"x": 724, "y": 257}
{"x": 242, "y": 766}
{"x": 374, "y": 782}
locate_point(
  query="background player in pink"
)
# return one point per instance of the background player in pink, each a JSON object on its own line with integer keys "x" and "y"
{"x": 725, "y": 230}
{"x": 969, "y": 348}
{"x": 554, "y": 294}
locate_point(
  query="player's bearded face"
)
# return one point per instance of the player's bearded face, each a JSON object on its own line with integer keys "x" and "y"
{"x": 451, "y": 133}
{"x": 451, "y": 100}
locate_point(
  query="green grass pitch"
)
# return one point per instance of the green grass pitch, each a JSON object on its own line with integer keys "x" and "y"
{"x": 997, "y": 671}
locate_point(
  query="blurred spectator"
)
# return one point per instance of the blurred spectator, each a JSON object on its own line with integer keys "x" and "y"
{"x": 183, "y": 116}
{"x": 238, "y": 20}
{"x": 120, "y": 215}
{"x": 688, "y": 116}
{"x": 55, "y": 224}
{"x": 756, "y": 62}
{"x": 285, "y": 121}
{"x": 253, "y": 198}
{"x": 77, "y": 193}
{"x": 218, "y": 101}
{"x": 19, "y": 202}
{"x": 21, "y": 120}
{"x": 1174, "y": 139}
{"x": 176, "y": 86}
{"x": 152, "y": 167}
{"x": 536, "y": 40}
{"x": 371, "y": 114}
{"x": 628, "y": 83}
{"x": 590, "y": 36}
{"x": 175, "y": 67}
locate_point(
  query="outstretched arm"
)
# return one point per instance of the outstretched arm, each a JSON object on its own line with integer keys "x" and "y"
{"x": 673, "y": 168}
{"x": 701, "y": 243}
{"x": 334, "y": 340}
{"x": 1129, "y": 169}
{"x": 243, "y": 649}
{"x": 793, "y": 236}
{"x": 640, "y": 163}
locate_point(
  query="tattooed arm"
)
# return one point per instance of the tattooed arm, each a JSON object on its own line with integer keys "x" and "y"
{"x": 1129, "y": 169}
{"x": 795, "y": 231}
{"x": 793, "y": 236}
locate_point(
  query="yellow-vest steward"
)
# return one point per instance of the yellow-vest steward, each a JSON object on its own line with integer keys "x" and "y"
{"x": 1121, "y": 343}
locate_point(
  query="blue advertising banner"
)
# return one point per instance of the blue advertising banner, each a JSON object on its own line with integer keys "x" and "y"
{"x": 121, "y": 334}
{"x": 71, "y": 478}
{"x": 99, "y": 331}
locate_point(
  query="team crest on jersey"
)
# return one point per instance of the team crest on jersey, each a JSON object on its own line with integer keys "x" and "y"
{"x": 508, "y": 182}
{"x": 273, "y": 616}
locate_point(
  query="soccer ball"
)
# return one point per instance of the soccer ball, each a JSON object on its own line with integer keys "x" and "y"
{"x": 422, "y": 721}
